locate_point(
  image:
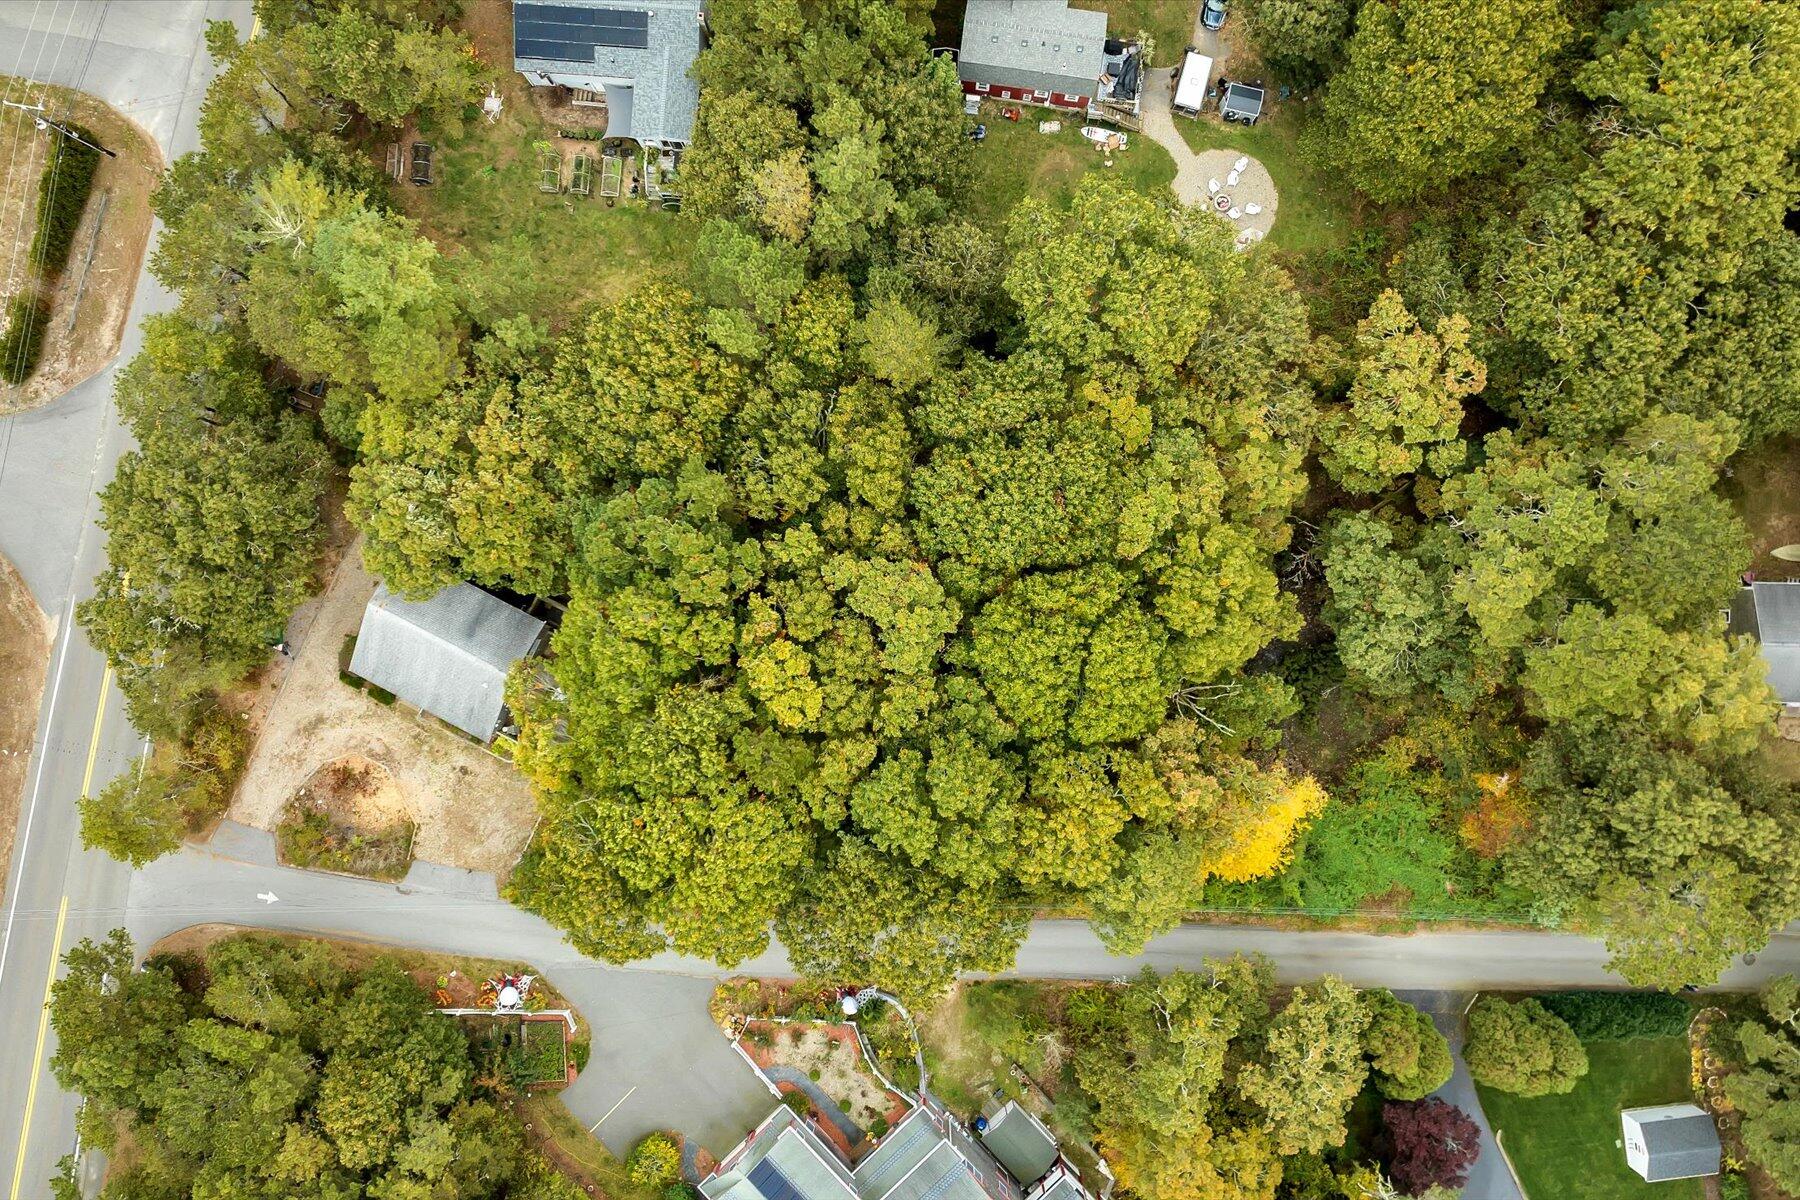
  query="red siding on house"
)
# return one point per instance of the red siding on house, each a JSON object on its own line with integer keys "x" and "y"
{"x": 1021, "y": 95}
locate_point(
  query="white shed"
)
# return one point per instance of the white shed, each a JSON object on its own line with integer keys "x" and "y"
{"x": 1670, "y": 1141}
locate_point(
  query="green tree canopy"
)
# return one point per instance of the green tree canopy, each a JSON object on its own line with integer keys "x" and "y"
{"x": 817, "y": 633}
{"x": 1523, "y": 1048}
{"x": 1405, "y": 403}
{"x": 1434, "y": 90}
{"x": 287, "y": 1077}
{"x": 1409, "y": 1057}
{"x": 1767, "y": 1090}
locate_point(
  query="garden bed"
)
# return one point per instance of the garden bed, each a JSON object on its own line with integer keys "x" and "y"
{"x": 529, "y": 1051}
{"x": 831, "y": 1057}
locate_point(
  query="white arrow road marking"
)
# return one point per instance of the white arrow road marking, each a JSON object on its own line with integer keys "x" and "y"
{"x": 267, "y": 897}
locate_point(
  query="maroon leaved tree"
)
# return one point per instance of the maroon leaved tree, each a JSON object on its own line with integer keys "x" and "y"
{"x": 1430, "y": 1143}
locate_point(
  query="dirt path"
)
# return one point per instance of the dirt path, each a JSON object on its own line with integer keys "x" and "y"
{"x": 1194, "y": 172}
{"x": 74, "y": 351}
{"x": 473, "y": 810}
{"x": 25, "y": 637}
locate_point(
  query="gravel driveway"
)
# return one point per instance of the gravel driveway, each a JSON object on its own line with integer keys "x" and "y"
{"x": 1194, "y": 171}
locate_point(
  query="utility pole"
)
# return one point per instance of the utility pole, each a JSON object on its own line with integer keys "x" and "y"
{"x": 44, "y": 122}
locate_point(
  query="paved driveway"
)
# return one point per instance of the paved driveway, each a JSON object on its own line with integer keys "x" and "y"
{"x": 1488, "y": 1179}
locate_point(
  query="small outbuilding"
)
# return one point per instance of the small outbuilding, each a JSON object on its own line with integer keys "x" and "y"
{"x": 1670, "y": 1141}
{"x": 447, "y": 655}
{"x": 1241, "y": 102}
{"x": 1022, "y": 1143}
{"x": 1770, "y": 613}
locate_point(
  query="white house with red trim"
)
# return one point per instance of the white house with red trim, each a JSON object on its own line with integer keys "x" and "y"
{"x": 1043, "y": 52}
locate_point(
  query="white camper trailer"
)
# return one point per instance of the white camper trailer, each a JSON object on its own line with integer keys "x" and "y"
{"x": 1190, "y": 89}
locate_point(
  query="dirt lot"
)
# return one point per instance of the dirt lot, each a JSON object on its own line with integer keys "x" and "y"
{"x": 472, "y": 809}
{"x": 25, "y": 636}
{"x": 72, "y": 354}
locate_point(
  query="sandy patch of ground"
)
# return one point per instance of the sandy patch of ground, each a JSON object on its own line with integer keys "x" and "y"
{"x": 1195, "y": 172}
{"x": 359, "y": 791}
{"x": 74, "y": 351}
{"x": 25, "y": 636}
{"x": 473, "y": 810}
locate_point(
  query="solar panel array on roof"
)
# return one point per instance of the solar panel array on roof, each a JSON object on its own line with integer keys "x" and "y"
{"x": 563, "y": 34}
{"x": 772, "y": 1183}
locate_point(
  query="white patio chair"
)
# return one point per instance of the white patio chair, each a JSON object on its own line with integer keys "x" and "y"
{"x": 1253, "y": 209}
{"x": 1232, "y": 179}
{"x": 1241, "y": 164}
{"x": 1212, "y": 187}
{"x": 1235, "y": 213}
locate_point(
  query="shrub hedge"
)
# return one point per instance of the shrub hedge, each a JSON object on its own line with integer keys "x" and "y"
{"x": 62, "y": 195}
{"x": 23, "y": 338}
{"x": 1614, "y": 1016}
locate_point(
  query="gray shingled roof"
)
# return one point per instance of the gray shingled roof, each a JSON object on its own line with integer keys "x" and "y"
{"x": 1770, "y": 612}
{"x": 1019, "y": 1140}
{"x": 447, "y": 655}
{"x": 1041, "y": 44}
{"x": 1680, "y": 1140}
{"x": 650, "y": 95}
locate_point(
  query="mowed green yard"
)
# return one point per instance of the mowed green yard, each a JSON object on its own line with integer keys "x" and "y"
{"x": 1017, "y": 161}
{"x": 1568, "y": 1147}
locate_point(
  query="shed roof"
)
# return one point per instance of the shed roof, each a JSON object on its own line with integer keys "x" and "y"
{"x": 1019, "y": 1140}
{"x": 638, "y": 51}
{"x": 1770, "y": 612}
{"x": 447, "y": 655}
{"x": 1242, "y": 100}
{"x": 1041, "y": 44}
{"x": 1680, "y": 1140}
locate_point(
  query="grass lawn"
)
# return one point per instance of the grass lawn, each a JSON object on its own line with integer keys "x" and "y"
{"x": 1764, "y": 486}
{"x": 1318, "y": 210}
{"x": 1169, "y": 22}
{"x": 514, "y": 249}
{"x": 1567, "y": 1147}
{"x": 1017, "y": 161}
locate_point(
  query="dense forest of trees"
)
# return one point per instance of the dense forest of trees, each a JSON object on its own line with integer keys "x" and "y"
{"x": 270, "y": 1070}
{"x": 924, "y": 576}
{"x": 1214, "y": 1085}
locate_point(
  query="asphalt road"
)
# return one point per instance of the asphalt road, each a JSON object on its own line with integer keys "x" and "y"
{"x": 658, "y": 1062}
{"x": 146, "y": 58}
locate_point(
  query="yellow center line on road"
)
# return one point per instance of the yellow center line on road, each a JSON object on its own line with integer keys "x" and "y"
{"x": 37, "y": 1057}
{"x": 87, "y": 777}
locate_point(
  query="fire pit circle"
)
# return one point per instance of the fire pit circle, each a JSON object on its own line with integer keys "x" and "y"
{"x": 1222, "y": 202}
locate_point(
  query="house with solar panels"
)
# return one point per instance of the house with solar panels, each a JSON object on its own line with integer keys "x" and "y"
{"x": 637, "y": 54}
{"x": 927, "y": 1155}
